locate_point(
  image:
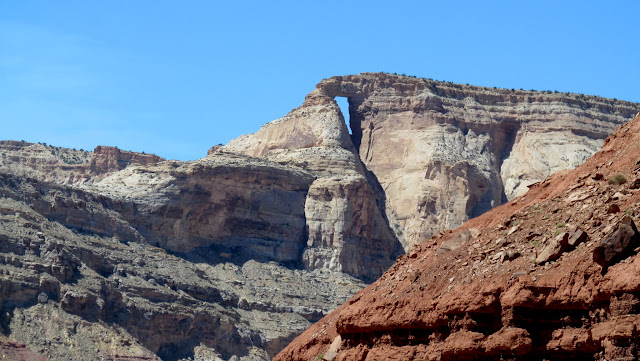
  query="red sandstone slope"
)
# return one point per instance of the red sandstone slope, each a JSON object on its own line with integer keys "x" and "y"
{"x": 519, "y": 282}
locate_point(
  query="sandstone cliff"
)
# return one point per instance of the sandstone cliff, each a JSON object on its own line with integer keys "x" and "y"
{"x": 445, "y": 152}
{"x": 553, "y": 274}
{"x": 83, "y": 276}
{"x": 442, "y": 152}
{"x": 346, "y": 223}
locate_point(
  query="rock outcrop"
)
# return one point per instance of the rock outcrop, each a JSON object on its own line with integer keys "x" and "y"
{"x": 69, "y": 294}
{"x": 346, "y": 222}
{"x": 66, "y": 166}
{"x": 112, "y": 159}
{"x": 44, "y": 162}
{"x": 445, "y": 152}
{"x": 15, "y": 351}
{"x": 479, "y": 292}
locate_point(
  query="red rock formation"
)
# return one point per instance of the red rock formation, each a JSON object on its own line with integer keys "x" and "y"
{"x": 111, "y": 159}
{"x": 484, "y": 292}
{"x": 63, "y": 165}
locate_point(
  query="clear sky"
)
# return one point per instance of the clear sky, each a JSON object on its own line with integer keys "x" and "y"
{"x": 177, "y": 77}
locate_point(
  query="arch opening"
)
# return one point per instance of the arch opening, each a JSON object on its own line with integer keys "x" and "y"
{"x": 353, "y": 119}
{"x": 343, "y": 103}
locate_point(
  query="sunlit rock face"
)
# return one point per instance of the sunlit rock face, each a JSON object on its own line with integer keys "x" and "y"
{"x": 445, "y": 152}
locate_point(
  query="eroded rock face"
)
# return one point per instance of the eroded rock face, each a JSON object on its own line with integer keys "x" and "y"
{"x": 441, "y": 153}
{"x": 112, "y": 159}
{"x": 81, "y": 258}
{"x": 345, "y": 228}
{"x": 444, "y": 152}
{"x": 346, "y": 225}
{"x": 67, "y": 166}
{"x": 618, "y": 245}
{"x": 469, "y": 302}
{"x": 240, "y": 225}
{"x": 15, "y": 351}
{"x": 44, "y": 162}
{"x": 69, "y": 294}
{"x": 230, "y": 202}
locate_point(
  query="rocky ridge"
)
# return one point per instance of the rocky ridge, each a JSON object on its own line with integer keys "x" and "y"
{"x": 66, "y": 166}
{"x": 552, "y": 274}
{"x": 84, "y": 276}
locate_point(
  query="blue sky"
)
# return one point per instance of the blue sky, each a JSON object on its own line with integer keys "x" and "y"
{"x": 175, "y": 78}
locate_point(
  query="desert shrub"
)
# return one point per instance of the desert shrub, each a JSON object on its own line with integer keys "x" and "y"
{"x": 617, "y": 179}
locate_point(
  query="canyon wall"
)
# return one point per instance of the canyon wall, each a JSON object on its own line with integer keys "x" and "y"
{"x": 446, "y": 152}
{"x": 135, "y": 257}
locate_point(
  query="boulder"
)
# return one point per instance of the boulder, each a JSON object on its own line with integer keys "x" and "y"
{"x": 618, "y": 245}
{"x": 578, "y": 236}
{"x": 554, "y": 249}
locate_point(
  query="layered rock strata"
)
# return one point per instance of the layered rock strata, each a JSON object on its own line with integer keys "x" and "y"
{"x": 66, "y": 166}
{"x": 346, "y": 223}
{"x": 550, "y": 275}
{"x": 124, "y": 256}
{"x": 236, "y": 230}
{"x": 444, "y": 152}
{"x": 69, "y": 294}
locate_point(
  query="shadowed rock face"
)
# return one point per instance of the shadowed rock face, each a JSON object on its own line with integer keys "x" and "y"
{"x": 78, "y": 294}
{"x": 80, "y": 262}
{"x": 551, "y": 275}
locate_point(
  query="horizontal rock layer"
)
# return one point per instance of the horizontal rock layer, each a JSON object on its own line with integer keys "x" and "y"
{"x": 69, "y": 294}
